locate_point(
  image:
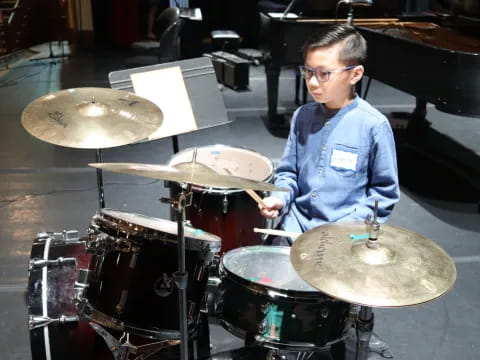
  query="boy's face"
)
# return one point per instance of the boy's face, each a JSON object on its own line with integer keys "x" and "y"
{"x": 337, "y": 91}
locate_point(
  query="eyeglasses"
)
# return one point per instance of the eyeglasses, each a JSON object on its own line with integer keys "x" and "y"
{"x": 321, "y": 75}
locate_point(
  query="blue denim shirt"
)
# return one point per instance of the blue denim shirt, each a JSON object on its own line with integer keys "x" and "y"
{"x": 337, "y": 166}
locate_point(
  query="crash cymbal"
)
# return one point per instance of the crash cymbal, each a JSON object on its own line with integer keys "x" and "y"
{"x": 192, "y": 173}
{"x": 91, "y": 118}
{"x": 401, "y": 268}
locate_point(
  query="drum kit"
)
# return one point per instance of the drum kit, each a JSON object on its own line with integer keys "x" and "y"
{"x": 144, "y": 279}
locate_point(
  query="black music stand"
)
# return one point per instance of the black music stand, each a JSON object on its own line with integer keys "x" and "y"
{"x": 208, "y": 110}
{"x": 202, "y": 88}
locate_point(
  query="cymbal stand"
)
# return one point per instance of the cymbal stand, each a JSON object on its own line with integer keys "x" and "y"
{"x": 101, "y": 194}
{"x": 365, "y": 319}
{"x": 180, "y": 277}
{"x": 364, "y": 330}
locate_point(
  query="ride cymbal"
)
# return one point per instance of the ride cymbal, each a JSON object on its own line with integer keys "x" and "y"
{"x": 91, "y": 118}
{"x": 188, "y": 172}
{"x": 401, "y": 268}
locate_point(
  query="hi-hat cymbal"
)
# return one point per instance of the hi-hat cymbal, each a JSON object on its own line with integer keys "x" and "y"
{"x": 91, "y": 118}
{"x": 401, "y": 268}
{"x": 192, "y": 173}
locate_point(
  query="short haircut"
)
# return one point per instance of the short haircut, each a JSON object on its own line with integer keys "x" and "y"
{"x": 354, "y": 49}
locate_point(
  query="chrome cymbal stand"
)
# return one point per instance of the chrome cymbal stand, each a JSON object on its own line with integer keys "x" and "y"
{"x": 365, "y": 319}
{"x": 180, "y": 277}
{"x": 364, "y": 330}
{"x": 101, "y": 194}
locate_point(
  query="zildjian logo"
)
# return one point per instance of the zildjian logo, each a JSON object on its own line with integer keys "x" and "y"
{"x": 129, "y": 102}
{"x": 58, "y": 117}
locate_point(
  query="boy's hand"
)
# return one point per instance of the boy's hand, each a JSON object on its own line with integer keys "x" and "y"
{"x": 272, "y": 207}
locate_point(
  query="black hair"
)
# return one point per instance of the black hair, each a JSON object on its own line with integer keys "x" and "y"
{"x": 354, "y": 49}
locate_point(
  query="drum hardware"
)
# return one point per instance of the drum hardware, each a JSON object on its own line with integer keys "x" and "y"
{"x": 120, "y": 307}
{"x": 180, "y": 278}
{"x": 80, "y": 286}
{"x": 66, "y": 236}
{"x": 164, "y": 286}
{"x": 35, "y": 264}
{"x": 92, "y": 315}
{"x": 37, "y": 321}
{"x": 122, "y": 348}
{"x": 225, "y": 204}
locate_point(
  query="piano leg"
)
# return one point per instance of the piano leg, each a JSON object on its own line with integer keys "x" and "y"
{"x": 274, "y": 120}
{"x": 418, "y": 124}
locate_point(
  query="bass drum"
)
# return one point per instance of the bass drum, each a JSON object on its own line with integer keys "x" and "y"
{"x": 228, "y": 213}
{"x": 131, "y": 286}
{"x": 56, "y": 332}
{"x": 263, "y": 297}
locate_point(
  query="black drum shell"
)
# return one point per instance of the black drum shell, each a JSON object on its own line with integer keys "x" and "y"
{"x": 111, "y": 274}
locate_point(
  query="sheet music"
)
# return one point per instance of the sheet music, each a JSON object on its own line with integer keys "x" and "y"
{"x": 166, "y": 89}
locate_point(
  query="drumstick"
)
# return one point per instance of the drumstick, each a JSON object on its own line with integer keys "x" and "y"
{"x": 250, "y": 192}
{"x": 277, "y": 232}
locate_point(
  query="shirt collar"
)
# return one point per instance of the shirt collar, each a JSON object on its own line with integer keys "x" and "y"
{"x": 330, "y": 115}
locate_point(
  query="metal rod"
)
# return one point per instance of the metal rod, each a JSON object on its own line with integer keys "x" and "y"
{"x": 181, "y": 278}
{"x": 364, "y": 331}
{"x": 287, "y": 10}
{"x": 101, "y": 194}
{"x": 175, "y": 143}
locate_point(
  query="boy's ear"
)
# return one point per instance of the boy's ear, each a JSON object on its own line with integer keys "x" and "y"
{"x": 357, "y": 74}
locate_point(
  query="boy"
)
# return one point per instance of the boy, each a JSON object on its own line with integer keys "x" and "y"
{"x": 340, "y": 154}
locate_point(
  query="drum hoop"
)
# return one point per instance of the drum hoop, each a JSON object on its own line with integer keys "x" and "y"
{"x": 221, "y": 190}
{"x": 275, "y": 344}
{"x": 268, "y": 290}
{"x": 90, "y": 313}
{"x": 120, "y": 228}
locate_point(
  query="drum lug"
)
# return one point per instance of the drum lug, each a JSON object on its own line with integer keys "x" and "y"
{"x": 120, "y": 307}
{"x": 262, "y": 327}
{"x": 35, "y": 264}
{"x": 36, "y": 321}
{"x": 81, "y": 284}
{"x": 225, "y": 204}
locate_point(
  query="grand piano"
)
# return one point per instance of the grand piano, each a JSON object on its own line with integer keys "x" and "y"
{"x": 432, "y": 54}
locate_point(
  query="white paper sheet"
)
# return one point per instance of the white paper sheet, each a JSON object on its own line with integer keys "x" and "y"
{"x": 166, "y": 89}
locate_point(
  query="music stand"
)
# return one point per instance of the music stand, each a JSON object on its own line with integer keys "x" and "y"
{"x": 208, "y": 110}
{"x": 202, "y": 88}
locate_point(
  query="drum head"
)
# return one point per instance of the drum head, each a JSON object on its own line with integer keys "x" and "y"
{"x": 268, "y": 266}
{"x": 239, "y": 162}
{"x": 115, "y": 222}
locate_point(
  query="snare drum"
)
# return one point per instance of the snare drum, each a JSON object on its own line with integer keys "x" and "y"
{"x": 56, "y": 331}
{"x": 131, "y": 286}
{"x": 262, "y": 296}
{"x": 228, "y": 213}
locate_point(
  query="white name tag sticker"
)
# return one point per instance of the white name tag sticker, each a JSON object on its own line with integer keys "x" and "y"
{"x": 344, "y": 160}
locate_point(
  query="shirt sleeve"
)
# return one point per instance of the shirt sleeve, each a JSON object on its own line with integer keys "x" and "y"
{"x": 383, "y": 176}
{"x": 286, "y": 173}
